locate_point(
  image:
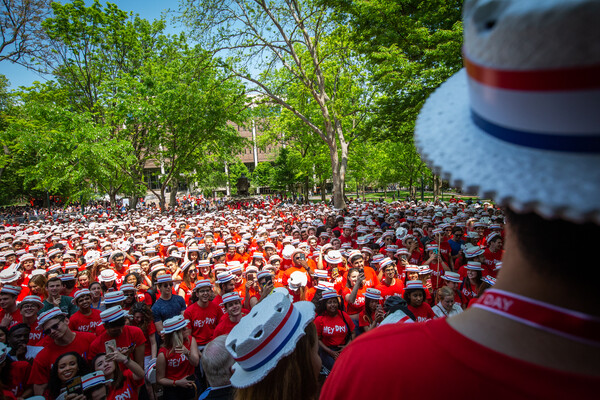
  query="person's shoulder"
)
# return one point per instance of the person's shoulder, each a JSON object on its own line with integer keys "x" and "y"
{"x": 85, "y": 336}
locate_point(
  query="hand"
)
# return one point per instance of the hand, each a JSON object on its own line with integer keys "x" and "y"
{"x": 56, "y": 301}
{"x": 75, "y": 396}
{"x": 184, "y": 383}
{"x": 360, "y": 278}
{"x": 268, "y": 288}
{"x": 335, "y": 354}
{"x": 249, "y": 285}
{"x": 6, "y": 320}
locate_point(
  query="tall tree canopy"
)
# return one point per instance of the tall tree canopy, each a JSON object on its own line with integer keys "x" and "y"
{"x": 296, "y": 55}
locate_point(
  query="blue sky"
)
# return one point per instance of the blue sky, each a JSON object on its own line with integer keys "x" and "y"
{"x": 148, "y": 9}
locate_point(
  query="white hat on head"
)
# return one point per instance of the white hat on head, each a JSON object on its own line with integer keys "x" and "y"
{"x": 174, "y": 324}
{"x": 521, "y": 121}
{"x": 265, "y": 336}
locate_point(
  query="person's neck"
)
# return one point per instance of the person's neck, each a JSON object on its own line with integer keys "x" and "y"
{"x": 31, "y": 320}
{"x": 203, "y": 304}
{"x": 66, "y": 339}
{"x": 86, "y": 311}
{"x": 10, "y": 309}
{"x": 389, "y": 281}
{"x": 166, "y": 297}
{"x": 54, "y": 297}
{"x": 236, "y": 318}
{"x": 537, "y": 346}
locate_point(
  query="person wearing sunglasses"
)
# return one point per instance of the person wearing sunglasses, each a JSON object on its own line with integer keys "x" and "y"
{"x": 62, "y": 339}
{"x": 168, "y": 304}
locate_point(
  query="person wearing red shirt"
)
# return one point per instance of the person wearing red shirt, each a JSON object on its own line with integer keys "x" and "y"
{"x": 233, "y": 307}
{"x": 87, "y": 319}
{"x": 10, "y": 315}
{"x": 126, "y": 375}
{"x": 59, "y": 339}
{"x": 226, "y": 285}
{"x": 30, "y": 306}
{"x": 373, "y": 313}
{"x": 299, "y": 263}
{"x": 414, "y": 294}
{"x": 334, "y": 328}
{"x": 203, "y": 314}
{"x": 492, "y": 254}
{"x": 469, "y": 288}
{"x": 129, "y": 339}
{"x": 176, "y": 361}
{"x": 354, "y": 294}
{"x": 390, "y": 285}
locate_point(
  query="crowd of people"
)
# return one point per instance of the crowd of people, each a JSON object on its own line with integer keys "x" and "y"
{"x": 132, "y": 300}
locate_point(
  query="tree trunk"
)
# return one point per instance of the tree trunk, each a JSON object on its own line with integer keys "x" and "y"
{"x": 162, "y": 198}
{"x": 173, "y": 197}
{"x": 113, "y": 199}
{"x": 323, "y": 183}
{"x": 133, "y": 201}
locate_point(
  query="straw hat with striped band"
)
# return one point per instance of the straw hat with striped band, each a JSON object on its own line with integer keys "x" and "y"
{"x": 262, "y": 338}
{"x": 373, "y": 294}
{"x": 174, "y": 324}
{"x": 112, "y": 314}
{"x": 10, "y": 289}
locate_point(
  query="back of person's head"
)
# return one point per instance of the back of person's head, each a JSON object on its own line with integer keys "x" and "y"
{"x": 217, "y": 362}
{"x": 275, "y": 349}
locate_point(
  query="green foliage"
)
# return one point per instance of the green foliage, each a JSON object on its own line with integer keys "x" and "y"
{"x": 262, "y": 176}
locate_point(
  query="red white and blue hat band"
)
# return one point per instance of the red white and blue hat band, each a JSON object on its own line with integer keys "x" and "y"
{"x": 272, "y": 345}
{"x": 176, "y": 326}
{"x": 552, "y": 109}
{"x": 203, "y": 283}
{"x": 112, "y": 314}
{"x": 330, "y": 294}
{"x": 164, "y": 278}
{"x": 93, "y": 379}
{"x": 233, "y": 296}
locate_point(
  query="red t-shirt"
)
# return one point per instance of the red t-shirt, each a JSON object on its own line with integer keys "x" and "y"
{"x": 178, "y": 366}
{"x": 128, "y": 391}
{"x": 397, "y": 289}
{"x": 332, "y": 330}
{"x": 130, "y": 335}
{"x": 224, "y": 327}
{"x": 85, "y": 323}
{"x": 40, "y": 370}
{"x": 359, "y": 303}
{"x": 19, "y": 373}
{"x": 203, "y": 320}
{"x": 423, "y": 312}
{"x": 435, "y": 346}
{"x": 35, "y": 335}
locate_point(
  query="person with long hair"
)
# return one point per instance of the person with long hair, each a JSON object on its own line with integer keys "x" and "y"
{"x": 290, "y": 370}
{"x": 446, "y": 305}
{"x": 334, "y": 328}
{"x": 469, "y": 288}
{"x": 37, "y": 286}
{"x": 141, "y": 316}
{"x": 189, "y": 278}
{"x": 414, "y": 295}
{"x": 373, "y": 313}
{"x": 126, "y": 375}
{"x": 176, "y": 361}
{"x": 354, "y": 294}
{"x": 66, "y": 367}
{"x": 83, "y": 279}
{"x": 96, "y": 294}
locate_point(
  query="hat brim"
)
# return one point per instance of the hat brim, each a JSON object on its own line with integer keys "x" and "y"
{"x": 242, "y": 378}
{"x": 550, "y": 183}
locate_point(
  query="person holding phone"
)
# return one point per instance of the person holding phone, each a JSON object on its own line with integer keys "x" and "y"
{"x": 66, "y": 369}
{"x": 354, "y": 294}
{"x": 177, "y": 359}
{"x": 125, "y": 375}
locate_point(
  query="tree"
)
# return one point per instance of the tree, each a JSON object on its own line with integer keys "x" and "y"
{"x": 413, "y": 46}
{"x": 263, "y": 174}
{"x": 276, "y": 45}
{"x": 23, "y": 39}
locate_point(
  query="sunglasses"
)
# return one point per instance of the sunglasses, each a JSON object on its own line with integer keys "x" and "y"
{"x": 51, "y": 328}
{"x": 168, "y": 284}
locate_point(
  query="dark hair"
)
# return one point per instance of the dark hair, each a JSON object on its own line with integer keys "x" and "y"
{"x": 350, "y": 271}
{"x": 138, "y": 278}
{"x": 5, "y": 330}
{"x": 5, "y": 372}
{"x": 53, "y": 279}
{"x": 536, "y": 237}
{"x": 408, "y": 292}
{"x": 143, "y": 308}
{"x": 54, "y": 384}
{"x": 171, "y": 258}
{"x": 321, "y": 306}
{"x": 94, "y": 283}
{"x": 118, "y": 378}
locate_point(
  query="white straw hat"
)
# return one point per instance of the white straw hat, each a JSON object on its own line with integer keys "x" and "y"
{"x": 269, "y": 333}
{"x": 521, "y": 124}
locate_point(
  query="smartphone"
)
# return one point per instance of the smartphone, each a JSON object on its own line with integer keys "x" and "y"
{"x": 74, "y": 385}
{"x": 302, "y": 257}
{"x": 110, "y": 346}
